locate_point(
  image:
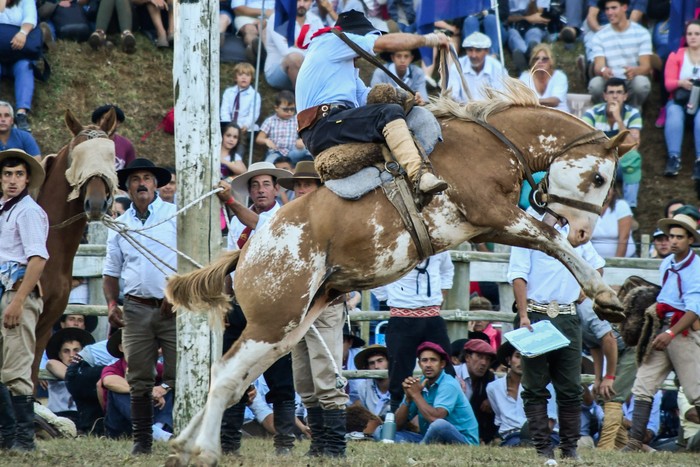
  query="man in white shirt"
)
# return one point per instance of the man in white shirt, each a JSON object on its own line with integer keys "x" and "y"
{"x": 147, "y": 318}
{"x": 480, "y": 69}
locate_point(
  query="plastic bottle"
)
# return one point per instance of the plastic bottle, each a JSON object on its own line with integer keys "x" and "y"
{"x": 389, "y": 428}
{"x": 692, "y": 107}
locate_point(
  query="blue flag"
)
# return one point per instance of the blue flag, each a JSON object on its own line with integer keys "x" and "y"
{"x": 682, "y": 11}
{"x": 285, "y": 14}
{"x": 439, "y": 10}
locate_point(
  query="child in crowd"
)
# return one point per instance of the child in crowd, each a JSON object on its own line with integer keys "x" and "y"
{"x": 284, "y": 195}
{"x": 279, "y": 131}
{"x": 231, "y": 149}
{"x": 240, "y": 104}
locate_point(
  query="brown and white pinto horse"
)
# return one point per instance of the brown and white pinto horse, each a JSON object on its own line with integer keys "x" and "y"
{"x": 79, "y": 186}
{"x": 320, "y": 246}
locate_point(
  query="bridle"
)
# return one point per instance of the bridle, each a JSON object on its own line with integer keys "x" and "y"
{"x": 540, "y": 198}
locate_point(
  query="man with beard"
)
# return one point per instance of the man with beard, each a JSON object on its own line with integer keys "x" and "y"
{"x": 259, "y": 183}
{"x": 478, "y": 357}
{"x": 283, "y": 61}
{"x": 480, "y": 69}
{"x": 147, "y": 319}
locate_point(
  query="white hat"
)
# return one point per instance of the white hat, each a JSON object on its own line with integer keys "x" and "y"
{"x": 477, "y": 40}
{"x": 683, "y": 221}
{"x": 240, "y": 184}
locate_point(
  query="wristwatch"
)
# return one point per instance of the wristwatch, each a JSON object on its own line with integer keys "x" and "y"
{"x": 166, "y": 387}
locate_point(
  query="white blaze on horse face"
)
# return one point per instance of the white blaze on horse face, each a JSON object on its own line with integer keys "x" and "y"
{"x": 573, "y": 178}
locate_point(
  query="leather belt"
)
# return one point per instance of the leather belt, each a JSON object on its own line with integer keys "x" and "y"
{"x": 307, "y": 118}
{"x": 148, "y": 301}
{"x": 551, "y": 309}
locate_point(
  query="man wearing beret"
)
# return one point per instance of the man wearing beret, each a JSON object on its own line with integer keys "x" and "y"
{"x": 480, "y": 69}
{"x": 147, "y": 318}
{"x": 478, "y": 357}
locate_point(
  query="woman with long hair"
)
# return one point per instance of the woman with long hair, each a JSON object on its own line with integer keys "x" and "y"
{"x": 550, "y": 85}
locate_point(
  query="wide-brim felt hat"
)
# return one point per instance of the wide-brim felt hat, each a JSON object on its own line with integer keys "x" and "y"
{"x": 240, "y": 183}
{"x": 680, "y": 220}
{"x": 53, "y": 348}
{"x": 386, "y": 56}
{"x": 103, "y": 109}
{"x": 304, "y": 170}
{"x": 427, "y": 345}
{"x": 113, "y": 344}
{"x": 162, "y": 175}
{"x": 364, "y": 354}
{"x": 356, "y": 340}
{"x": 90, "y": 322}
{"x": 36, "y": 170}
{"x": 355, "y": 22}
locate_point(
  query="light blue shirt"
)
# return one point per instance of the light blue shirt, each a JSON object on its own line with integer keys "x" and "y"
{"x": 690, "y": 284}
{"x": 414, "y": 78}
{"x": 18, "y": 15}
{"x": 141, "y": 277}
{"x": 510, "y": 413}
{"x": 373, "y": 399}
{"x": 328, "y": 74}
{"x": 446, "y": 393}
{"x": 97, "y": 354}
{"x": 411, "y": 291}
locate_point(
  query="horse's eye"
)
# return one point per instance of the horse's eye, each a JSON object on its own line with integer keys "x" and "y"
{"x": 598, "y": 180}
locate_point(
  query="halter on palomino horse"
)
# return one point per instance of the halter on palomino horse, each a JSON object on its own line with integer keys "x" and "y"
{"x": 79, "y": 186}
{"x": 309, "y": 253}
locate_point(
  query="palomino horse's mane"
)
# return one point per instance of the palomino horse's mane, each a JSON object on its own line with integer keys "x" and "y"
{"x": 515, "y": 93}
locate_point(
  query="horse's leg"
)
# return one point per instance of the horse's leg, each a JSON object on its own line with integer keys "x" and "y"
{"x": 528, "y": 232}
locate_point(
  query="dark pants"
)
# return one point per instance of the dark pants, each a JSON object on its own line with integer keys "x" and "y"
{"x": 403, "y": 337}
{"x": 562, "y": 366}
{"x": 356, "y": 125}
{"x": 81, "y": 381}
{"x": 279, "y": 376}
{"x": 118, "y": 417}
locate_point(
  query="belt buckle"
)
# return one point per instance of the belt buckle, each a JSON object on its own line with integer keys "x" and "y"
{"x": 553, "y": 309}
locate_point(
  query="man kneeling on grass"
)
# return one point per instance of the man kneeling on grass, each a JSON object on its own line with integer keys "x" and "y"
{"x": 444, "y": 413}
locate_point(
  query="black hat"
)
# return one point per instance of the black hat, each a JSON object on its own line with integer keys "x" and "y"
{"x": 162, "y": 175}
{"x": 601, "y": 3}
{"x": 90, "y": 322}
{"x": 457, "y": 347}
{"x": 386, "y": 56}
{"x": 113, "y": 344}
{"x": 103, "y": 109}
{"x": 356, "y": 340}
{"x": 505, "y": 351}
{"x": 355, "y": 22}
{"x": 53, "y": 348}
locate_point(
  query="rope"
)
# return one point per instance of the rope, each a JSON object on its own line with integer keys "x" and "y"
{"x": 340, "y": 380}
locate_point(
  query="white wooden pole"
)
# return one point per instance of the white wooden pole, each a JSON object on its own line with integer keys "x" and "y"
{"x": 197, "y": 140}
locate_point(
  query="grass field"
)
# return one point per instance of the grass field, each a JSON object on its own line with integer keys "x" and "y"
{"x": 259, "y": 453}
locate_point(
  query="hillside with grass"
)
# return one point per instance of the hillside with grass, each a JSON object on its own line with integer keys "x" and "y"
{"x": 141, "y": 84}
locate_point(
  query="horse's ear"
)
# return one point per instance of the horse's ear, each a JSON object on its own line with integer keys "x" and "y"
{"x": 72, "y": 123}
{"x": 618, "y": 142}
{"x": 109, "y": 122}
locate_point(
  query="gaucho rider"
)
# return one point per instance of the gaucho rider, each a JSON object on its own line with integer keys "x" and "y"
{"x": 331, "y": 96}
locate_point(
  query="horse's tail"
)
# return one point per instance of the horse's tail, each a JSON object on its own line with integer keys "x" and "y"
{"x": 202, "y": 291}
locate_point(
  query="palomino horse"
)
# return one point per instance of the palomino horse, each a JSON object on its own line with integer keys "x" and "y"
{"x": 79, "y": 186}
{"x": 320, "y": 246}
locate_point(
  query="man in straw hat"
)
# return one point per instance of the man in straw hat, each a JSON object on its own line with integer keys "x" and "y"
{"x": 260, "y": 184}
{"x": 314, "y": 378}
{"x": 147, "y": 318}
{"x": 331, "y": 98}
{"x": 24, "y": 228}
{"x": 481, "y": 70}
{"x": 676, "y": 344}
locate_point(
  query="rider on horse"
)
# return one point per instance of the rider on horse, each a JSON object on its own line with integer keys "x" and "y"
{"x": 331, "y": 96}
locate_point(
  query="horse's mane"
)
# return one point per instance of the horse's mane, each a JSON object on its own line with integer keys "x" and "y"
{"x": 515, "y": 93}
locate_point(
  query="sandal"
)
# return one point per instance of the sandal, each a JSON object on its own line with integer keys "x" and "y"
{"x": 128, "y": 42}
{"x": 97, "y": 39}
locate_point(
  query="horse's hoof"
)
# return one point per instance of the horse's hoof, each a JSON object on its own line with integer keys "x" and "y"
{"x": 205, "y": 459}
{"x": 607, "y": 306}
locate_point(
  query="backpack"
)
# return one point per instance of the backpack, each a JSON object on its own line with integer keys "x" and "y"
{"x": 71, "y": 23}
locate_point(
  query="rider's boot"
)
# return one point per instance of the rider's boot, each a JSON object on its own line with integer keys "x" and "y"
{"x": 398, "y": 138}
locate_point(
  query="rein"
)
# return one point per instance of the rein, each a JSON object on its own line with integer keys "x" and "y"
{"x": 68, "y": 221}
{"x": 540, "y": 197}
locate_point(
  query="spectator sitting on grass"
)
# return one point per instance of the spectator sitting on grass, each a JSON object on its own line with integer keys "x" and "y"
{"x": 240, "y": 104}
{"x": 279, "y": 131}
{"x": 231, "y": 152}
{"x": 155, "y": 8}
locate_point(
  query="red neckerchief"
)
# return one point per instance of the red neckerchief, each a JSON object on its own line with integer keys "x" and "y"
{"x": 305, "y": 30}
{"x": 246, "y": 232}
{"x": 12, "y": 201}
{"x": 663, "y": 308}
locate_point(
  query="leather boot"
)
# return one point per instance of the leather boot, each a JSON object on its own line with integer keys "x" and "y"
{"x": 24, "y": 420}
{"x": 400, "y": 141}
{"x": 231, "y": 425}
{"x": 314, "y": 418}
{"x": 7, "y": 419}
{"x": 142, "y": 422}
{"x": 569, "y": 430}
{"x": 334, "y": 427}
{"x": 540, "y": 433}
{"x": 284, "y": 419}
{"x": 611, "y": 425}
{"x": 640, "y": 419}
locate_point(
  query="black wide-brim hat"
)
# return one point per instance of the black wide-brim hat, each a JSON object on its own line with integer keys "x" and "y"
{"x": 103, "y": 109}
{"x": 162, "y": 175}
{"x": 113, "y": 344}
{"x": 53, "y": 348}
{"x": 355, "y": 22}
{"x": 90, "y": 322}
{"x": 386, "y": 56}
{"x": 356, "y": 340}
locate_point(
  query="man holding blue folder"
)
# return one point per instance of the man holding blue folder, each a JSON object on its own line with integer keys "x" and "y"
{"x": 545, "y": 290}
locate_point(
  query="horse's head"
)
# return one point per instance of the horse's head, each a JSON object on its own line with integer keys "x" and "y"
{"x": 579, "y": 180}
{"x": 91, "y": 171}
